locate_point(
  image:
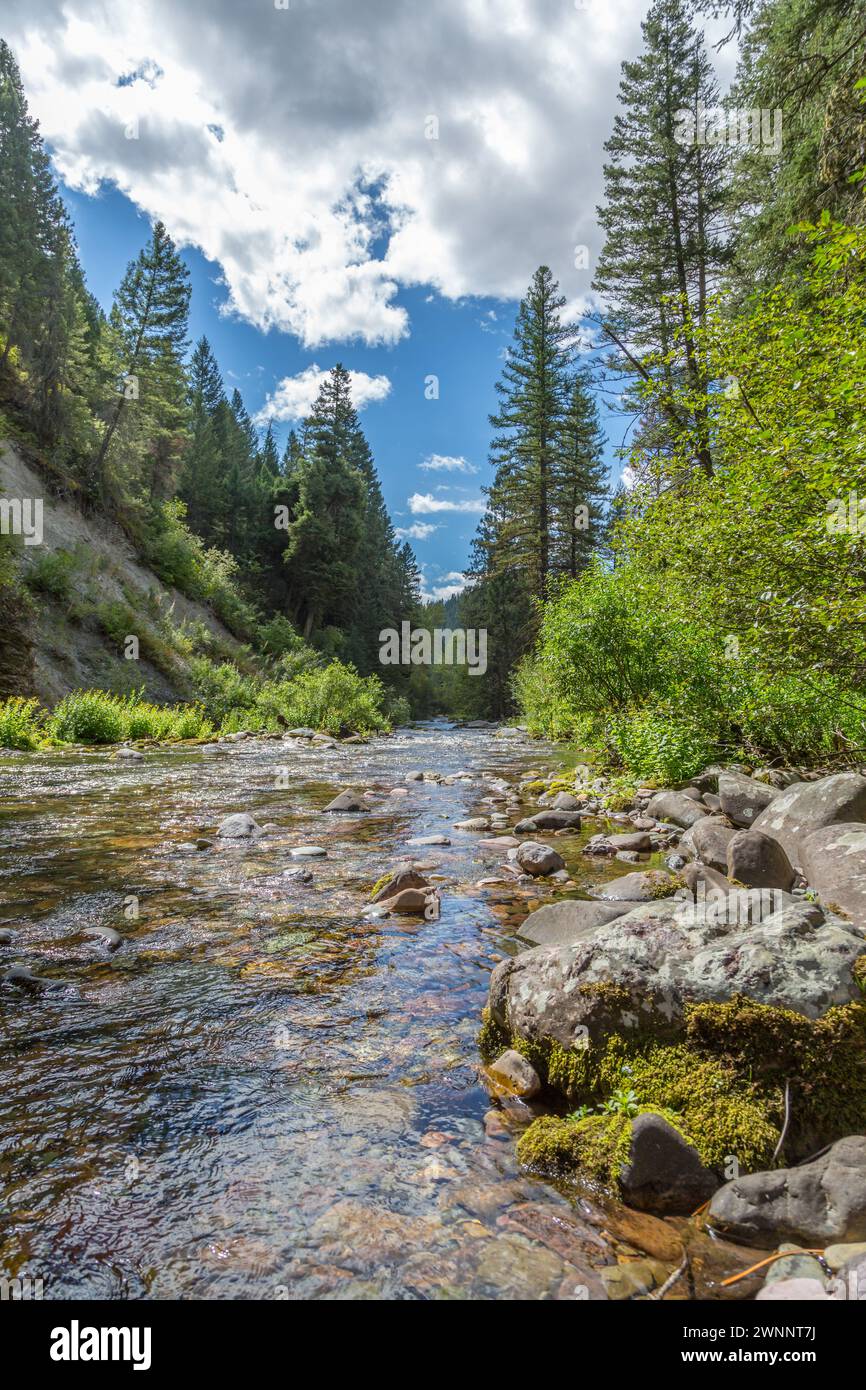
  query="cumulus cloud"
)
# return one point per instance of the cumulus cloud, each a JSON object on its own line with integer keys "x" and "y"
{"x": 424, "y": 503}
{"x": 325, "y": 156}
{"x": 418, "y": 531}
{"x": 446, "y": 463}
{"x": 293, "y": 397}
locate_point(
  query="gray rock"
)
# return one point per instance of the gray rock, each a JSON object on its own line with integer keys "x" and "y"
{"x": 516, "y": 1074}
{"x": 473, "y": 823}
{"x": 5, "y": 937}
{"x": 239, "y": 826}
{"x": 758, "y": 861}
{"x": 752, "y": 905}
{"x": 639, "y": 841}
{"x": 834, "y": 862}
{"x": 664, "y": 1174}
{"x": 712, "y": 801}
{"x": 414, "y": 776}
{"x": 640, "y": 887}
{"x": 107, "y": 935}
{"x": 705, "y": 882}
{"x": 818, "y": 1204}
{"x": 309, "y": 852}
{"x": 347, "y": 801}
{"x": 301, "y": 733}
{"x": 549, "y": 820}
{"x": 809, "y": 806}
{"x": 676, "y": 807}
{"x": 564, "y": 801}
{"x": 742, "y": 798}
{"x": 709, "y": 839}
{"x": 559, "y": 924}
{"x": 537, "y": 859}
{"x": 430, "y": 840}
{"x": 668, "y": 954}
{"x": 131, "y": 755}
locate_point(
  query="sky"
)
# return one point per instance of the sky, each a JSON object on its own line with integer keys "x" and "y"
{"x": 371, "y": 182}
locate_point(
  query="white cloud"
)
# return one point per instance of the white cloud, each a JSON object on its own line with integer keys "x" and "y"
{"x": 446, "y": 463}
{"x": 418, "y": 531}
{"x": 291, "y": 145}
{"x": 294, "y": 395}
{"x": 423, "y": 503}
{"x": 442, "y": 592}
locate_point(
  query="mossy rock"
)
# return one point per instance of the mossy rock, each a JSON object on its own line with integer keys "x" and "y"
{"x": 723, "y": 1081}
{"x": 597, "y": 1147}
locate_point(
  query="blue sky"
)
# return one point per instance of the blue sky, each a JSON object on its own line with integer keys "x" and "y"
{"x": 459, "y": 341}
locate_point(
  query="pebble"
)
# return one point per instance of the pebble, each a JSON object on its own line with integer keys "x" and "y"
{"x": 308, "y": 852}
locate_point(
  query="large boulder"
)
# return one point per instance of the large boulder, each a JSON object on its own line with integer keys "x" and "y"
{"x": 640, "y": 887}
{"x": 743, "y": 798}
{"x": 559, "y": 924}
{"x": 638, "y": 973}
{"x": 564, "y": 801}
{"x": 709, "y": 839}
{"x": 815, "y": 1205}
{"x": 759, "y": 861}
{"x": 809, "y": 806}
{"x": 676, "y": 807}
{"x": 663, "y": 1172}
{"x": 834, "y": 862}
{"x": 537, "y": 859}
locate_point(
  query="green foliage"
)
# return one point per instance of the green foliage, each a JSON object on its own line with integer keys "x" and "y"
{"x": 52, "y": 574}
{"x": 94, "y": 716}
{"x": 21, "y": 723}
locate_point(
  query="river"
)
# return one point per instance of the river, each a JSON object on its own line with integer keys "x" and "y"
{"x": 265, "y": 1093}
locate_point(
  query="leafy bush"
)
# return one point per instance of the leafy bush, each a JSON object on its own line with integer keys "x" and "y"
{"x": 52, "y": 574}
{"x": 20, "y": 723}
{"x": 94, "y": 716}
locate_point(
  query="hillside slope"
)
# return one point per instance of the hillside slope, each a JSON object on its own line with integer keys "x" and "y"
{"x": 84, "y": 590}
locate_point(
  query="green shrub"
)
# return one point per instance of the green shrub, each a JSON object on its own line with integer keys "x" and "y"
{"x": 52, "y": 574}
{"x": 88, "y": 716}
{"x": 21, "y": 723}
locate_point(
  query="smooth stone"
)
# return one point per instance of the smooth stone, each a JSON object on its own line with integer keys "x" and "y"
{"x": 516, "y": 1074}
{"x": 758, "y": 861}
{"x": 408, "y": 900}
{"x": 501, "y": 842}
{"x": 239, "y": 826}
{"x": 549, "y": 820}
{"x": 537, "y": 859}
{"x": 640, "y": 841}
{"x": 474, "y": 823}
{"x": 430, "y": 840}
{"x": 794, "y": 1291}
{"x": 664, "y": 1173}
{"x": 402, "y": 876}
{"x": 834, "y": 862}
{"x": 816, "y": 1204}
{"x": 308, "y": 852}
{"x": 674, "y": 806}
{"x": 708, "y": 840}
{"x": 131, "y": 755}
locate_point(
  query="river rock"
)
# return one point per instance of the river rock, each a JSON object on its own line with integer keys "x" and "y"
{"x": 548, "y": 820}
{"x": 817, "y": 1204}
{"x": 663, "y": 1174}
{"x": 708, "y": 839}
{"x": 309, "y": 852}
{"x": 346, "y": 801}
{"x": 474, "y": 823}
{"x": 743, "y": 799}
{"x": 758, "y": 861}
{"x": 239, "y": 826}
{"x": 131, "y": 755}
{"x": 402, "y": 876}
{"x": 501, "y": 842}
{"x": 834, "y": 862}
{"x": 5, "y": 937}
{"x": 537, "y": 859}
{"x": 513, "y": 1072}
{"x": 639, "y": 887}
{"x": 809, "y": 806}
{"x": 430, "y": 840}
{"x": 799, "y": 1290}
{"x": 564, "y": 801}
{"x": 301, "y": 733}
{"x": 665, "y": 955}
{"x": 676, "y": 807}
{"x": 408, "y": 900}
{"x": 639, "y": 841}
{"x": 414, "y": 776}
{"x": 559, "y": 924}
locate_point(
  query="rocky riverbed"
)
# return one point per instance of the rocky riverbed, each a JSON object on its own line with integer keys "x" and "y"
{"x": 241, "y": 992}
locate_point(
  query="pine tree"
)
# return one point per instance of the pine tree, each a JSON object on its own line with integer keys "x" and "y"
{"x": 201, "y": 484}
{"x": 533, "y": 391}
{"x": 149, "y": 322}
{"x": 663, "y": 218}
{"x": 580, "y": 488}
